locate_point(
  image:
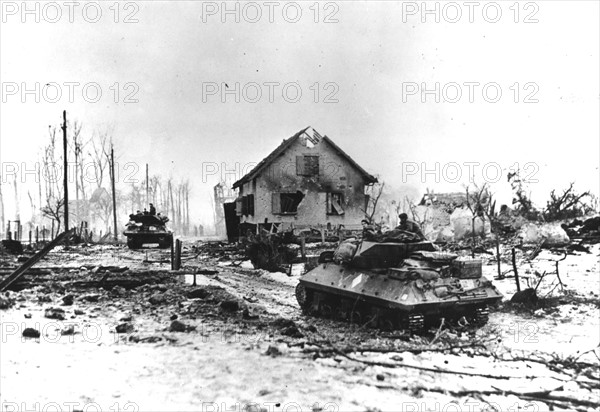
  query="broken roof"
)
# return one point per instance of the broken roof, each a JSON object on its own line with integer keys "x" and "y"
{"x": 286, "y": 144}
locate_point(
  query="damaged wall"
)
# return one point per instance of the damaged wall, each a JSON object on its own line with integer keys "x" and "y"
{"x": 334, "y": 195}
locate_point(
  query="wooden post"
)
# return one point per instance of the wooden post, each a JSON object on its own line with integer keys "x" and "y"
{"x": 498, "y": 257}
{"x": 114, "y": 198}
{"x": 52, "y": 233}
{"x": 43, "y": 233}
{"x": 37, "y": 234}
{"x": 178, "y": 254}
{"x": 30, "y": 236}
{"x": 172, "y": 255}
{"x": 473, "y": 237}
{"x": 65, "y": 175}
{"x": 303, "y": 247}
{"x": 514, "y": 263}
{"x": 147, "y": 197}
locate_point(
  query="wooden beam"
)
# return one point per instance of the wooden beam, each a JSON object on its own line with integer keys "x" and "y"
{"x": 33, "y": 260}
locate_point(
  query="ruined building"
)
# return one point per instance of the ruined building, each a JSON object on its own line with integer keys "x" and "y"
{"x": 308, "y": 181}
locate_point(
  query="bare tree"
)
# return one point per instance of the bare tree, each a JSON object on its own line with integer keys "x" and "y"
{"x": 372, "y": 201}
{"x": 54, "y": 210}
{"x": 54, "y": 200}
{"x": 421, "y": 220}
{"x": 100, "y": 156}
{"x": 477, "y": 202}
{"x": 569, "y": 204}
{"x": 78, "y": 146}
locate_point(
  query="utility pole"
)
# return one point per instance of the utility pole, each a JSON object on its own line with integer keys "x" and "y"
{"x": 114, "y": 197}
{"x": 65, "y": 175}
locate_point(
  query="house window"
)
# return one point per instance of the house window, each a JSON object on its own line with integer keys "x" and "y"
{"x": 286, "y": 203}
{"x": 307, "y": 165}
{"x": 248, "y": 205}
{"x": 335, "y": 202}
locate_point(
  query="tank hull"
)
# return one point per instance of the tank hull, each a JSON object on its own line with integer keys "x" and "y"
{"x": 136, "y": 240}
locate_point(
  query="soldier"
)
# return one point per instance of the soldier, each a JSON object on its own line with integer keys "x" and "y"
{"x": 369, "y": 231}
{"x": 152, "y": 209}
{"x": 409, "y": 226}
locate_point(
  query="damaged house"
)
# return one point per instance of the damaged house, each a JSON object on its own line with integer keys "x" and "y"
{"x": 308, "y": 181}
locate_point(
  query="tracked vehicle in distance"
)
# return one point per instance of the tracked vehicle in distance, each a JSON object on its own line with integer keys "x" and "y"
{"x": 396, "y": 286}
{"x": 148, "y": 229}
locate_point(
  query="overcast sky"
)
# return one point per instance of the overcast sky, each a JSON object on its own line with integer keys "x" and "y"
{"x": 368, "y": 63}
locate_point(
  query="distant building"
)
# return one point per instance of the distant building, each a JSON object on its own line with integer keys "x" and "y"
{"x": 308, "y": 181}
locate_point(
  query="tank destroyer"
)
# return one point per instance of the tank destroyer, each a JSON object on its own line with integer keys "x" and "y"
{"x": 394, "y": 285}
{"x": 148, "y": 229}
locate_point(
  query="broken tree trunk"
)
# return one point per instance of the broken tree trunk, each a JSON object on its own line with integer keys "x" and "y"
{"x": 33, "y": 260}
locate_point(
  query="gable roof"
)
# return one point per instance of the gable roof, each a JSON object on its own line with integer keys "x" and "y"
{"x": 285, "y": 145}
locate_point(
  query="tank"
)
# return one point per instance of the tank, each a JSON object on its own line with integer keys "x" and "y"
{"x": 396, "y": 286}
{"x": 148, "y": 229}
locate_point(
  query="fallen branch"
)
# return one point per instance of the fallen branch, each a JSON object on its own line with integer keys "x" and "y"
{"x": 426, "y": 369}
{"x": 541, "y": 396}
{"x": 390, "y": 350}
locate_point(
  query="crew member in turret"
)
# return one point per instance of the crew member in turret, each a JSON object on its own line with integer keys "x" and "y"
{"x": 409, "y": 226}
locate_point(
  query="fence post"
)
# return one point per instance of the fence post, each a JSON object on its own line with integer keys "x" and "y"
{"x": 172, "y": 255}
{"x": 178, "y": 255}
{"x": 514, "y": 263}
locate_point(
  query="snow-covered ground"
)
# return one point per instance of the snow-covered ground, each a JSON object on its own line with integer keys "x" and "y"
{"x": 223, "y": 365}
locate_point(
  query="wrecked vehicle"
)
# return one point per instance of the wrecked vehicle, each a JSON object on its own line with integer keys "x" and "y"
{"x": 396, "y": 286}
{"x": 148, "y": 229}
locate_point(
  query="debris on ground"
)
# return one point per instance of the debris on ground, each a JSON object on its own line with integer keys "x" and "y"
{"x": 31, "y": 333}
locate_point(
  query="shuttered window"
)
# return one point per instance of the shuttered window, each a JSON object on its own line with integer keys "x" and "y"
{"x": 247, "y": 205}
{"x": 307, "y": 165}
{"x": 276, "y": 203}
{"x": 251, "y": 205}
